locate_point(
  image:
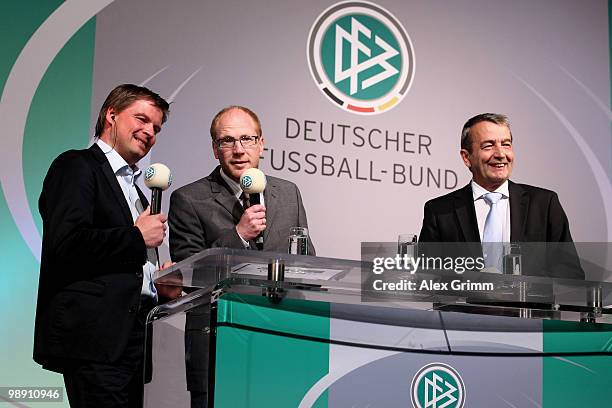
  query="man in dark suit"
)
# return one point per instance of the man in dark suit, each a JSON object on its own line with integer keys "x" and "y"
{"x": 208, "y": 213}
{"x": 98, "y": 255}
{"x": 524, "y": 213}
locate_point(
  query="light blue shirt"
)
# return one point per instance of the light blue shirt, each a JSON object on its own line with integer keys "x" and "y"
{"x": 127, "y": 176}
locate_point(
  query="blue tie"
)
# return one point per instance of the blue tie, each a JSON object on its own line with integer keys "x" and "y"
{"x": 492, "y": 236}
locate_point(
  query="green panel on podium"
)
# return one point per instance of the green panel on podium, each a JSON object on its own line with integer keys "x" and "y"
{"x": 289, "y": 365}
{"x": 572, "y": 381}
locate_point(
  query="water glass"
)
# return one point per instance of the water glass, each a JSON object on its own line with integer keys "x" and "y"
{"x": 298, "y": 240}
{"x": 512, "y": 259}
{"x": 407, "y": 245}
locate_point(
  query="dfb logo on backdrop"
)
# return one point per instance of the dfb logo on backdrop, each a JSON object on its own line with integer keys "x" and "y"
{"x": 361, "y": 57}
{"x": 437, "y": 385}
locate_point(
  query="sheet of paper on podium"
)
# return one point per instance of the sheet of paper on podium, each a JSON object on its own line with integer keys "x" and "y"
{"x": 290, "y": 272}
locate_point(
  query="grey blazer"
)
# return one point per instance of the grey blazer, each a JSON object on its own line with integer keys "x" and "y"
{"x": 204, "y": 214}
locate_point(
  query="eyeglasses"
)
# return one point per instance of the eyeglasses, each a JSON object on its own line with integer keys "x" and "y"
{"x": 228, "y": 142}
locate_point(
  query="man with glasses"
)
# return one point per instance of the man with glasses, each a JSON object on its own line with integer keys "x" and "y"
{"x": 212, "y": 212}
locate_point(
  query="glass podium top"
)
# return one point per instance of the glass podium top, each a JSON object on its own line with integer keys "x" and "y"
{"x": 352, "y": 282}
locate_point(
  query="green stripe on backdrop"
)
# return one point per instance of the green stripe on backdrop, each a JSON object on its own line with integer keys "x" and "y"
{"x": 19, "y": 21}
{"x": 265, "y": 370}
{"x": 58, "y": 119}
{"x": 576, "y": 381}
{"x": 59, "y": 115}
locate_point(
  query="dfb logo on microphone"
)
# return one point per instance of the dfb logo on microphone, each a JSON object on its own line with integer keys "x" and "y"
{"x": 149, "y": 173}
{"x": 247, "y": 181}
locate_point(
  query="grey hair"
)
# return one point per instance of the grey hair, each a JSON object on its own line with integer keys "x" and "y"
{"x": 497, "y": 118}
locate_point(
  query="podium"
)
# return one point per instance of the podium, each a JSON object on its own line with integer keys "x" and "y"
{"x": 319, "y": 337}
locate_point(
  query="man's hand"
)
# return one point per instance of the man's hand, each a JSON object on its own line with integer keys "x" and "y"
{"x": 252, "y": 222}
{"x": 151, "y": 227}
{"x": 169, "y": 287}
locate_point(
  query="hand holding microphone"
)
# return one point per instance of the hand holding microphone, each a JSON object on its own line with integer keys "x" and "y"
{"x": 151, "y": 222}
{"x": 158, "y": 178}
{"x": 253, "y": 221}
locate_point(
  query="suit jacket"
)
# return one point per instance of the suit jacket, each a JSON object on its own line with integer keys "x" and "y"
{"x": 204, "y": 214}
{"x": 91, "y": 265}
{"x": 536, "y": 216}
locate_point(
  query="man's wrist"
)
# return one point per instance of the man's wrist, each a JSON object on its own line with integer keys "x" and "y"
{"x": 244, "y": 242}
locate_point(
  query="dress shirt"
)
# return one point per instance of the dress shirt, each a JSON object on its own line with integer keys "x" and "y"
{"x": 127, "y": 176}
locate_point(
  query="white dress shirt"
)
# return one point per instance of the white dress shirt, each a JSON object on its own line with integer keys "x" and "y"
{"x": 127, "y": 176}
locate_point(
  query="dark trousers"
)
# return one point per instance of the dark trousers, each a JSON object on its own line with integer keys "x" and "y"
{"x": 199, "y": 399}
{"x": 118, "y": 384}
{"x": 197, "y": 344}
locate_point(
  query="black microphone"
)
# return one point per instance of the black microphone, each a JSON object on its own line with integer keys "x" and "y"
{"x": 158, "y": 178}
{"x": 253, "y": 183}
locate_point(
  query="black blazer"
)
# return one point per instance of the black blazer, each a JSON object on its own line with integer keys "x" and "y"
{"x": 91, "y": 265}
{"x": 536, "y": 216}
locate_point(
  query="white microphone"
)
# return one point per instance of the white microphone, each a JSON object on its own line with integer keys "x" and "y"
{"x": 158, "y": 178}
{"x": 253, "y": 183}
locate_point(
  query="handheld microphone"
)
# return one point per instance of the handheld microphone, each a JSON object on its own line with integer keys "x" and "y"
{"x": 158, "y": 178}
{"x": 253, "y": 183}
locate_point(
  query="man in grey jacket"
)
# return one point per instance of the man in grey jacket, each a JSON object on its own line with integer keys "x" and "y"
{"x": 210, "y": 213}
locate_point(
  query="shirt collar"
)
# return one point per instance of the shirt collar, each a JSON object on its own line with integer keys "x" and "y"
{"x": 478, "y": 191}
{"x": 117, "y": 163}
{"x": 235, "y": 187}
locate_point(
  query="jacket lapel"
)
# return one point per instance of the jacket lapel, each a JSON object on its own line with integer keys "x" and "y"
{"x": 110, "y": 177}
{"x": 519, "y": 203}
{"x": 143, "y": 199}
{"x": 223, "y": 195}
{"x": 466, "y": 214}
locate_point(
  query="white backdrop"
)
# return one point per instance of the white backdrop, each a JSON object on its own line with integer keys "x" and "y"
{"x": 545, "y": 64}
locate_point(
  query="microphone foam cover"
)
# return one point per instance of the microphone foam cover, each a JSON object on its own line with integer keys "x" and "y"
{"x": 158, "y": 175}
{"x": 253, "y": 181}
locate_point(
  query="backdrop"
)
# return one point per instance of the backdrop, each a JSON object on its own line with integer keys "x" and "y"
{"x": 361, "y": 105}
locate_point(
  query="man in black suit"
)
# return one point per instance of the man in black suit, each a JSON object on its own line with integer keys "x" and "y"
{"x": 208, "y": 213}
{"x": 98, "y": 255}
{"x": 527, "y": 213}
